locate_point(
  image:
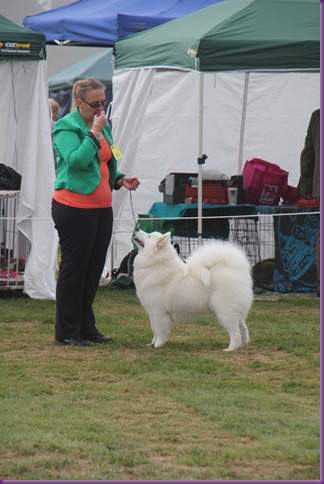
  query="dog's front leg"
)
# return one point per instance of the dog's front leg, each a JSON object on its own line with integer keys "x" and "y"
{"x": 161, "y": 327}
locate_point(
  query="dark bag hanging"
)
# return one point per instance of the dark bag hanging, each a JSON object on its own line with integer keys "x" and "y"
{"x": 9, "y": 178}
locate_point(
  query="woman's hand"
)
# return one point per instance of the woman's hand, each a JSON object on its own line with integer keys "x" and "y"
{"x": 99, "y": 121}
{"x": 131, "y": 183}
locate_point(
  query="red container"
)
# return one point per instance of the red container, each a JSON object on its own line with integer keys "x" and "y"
{"x": 264, "y": 182}
{"x": 213, "y": 192}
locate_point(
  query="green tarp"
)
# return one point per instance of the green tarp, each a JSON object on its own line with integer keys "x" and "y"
{"x": 231, "y": 35}
{"x": 98, "y": 66}
{"x": 19, "y": 43}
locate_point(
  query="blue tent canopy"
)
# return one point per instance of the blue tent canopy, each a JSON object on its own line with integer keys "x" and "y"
{"x": 101, "y": 22}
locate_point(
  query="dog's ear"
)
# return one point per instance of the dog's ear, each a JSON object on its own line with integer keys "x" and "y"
{"x": 165, "y": 239}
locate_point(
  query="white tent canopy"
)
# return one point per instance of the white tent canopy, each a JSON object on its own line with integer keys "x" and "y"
{"x": 26, "y": 146}
{"x": 246, "y": 115}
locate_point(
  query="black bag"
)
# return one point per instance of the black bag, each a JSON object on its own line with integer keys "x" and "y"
{"x": 9, "y": 178}
{"x": 123, "y": 276}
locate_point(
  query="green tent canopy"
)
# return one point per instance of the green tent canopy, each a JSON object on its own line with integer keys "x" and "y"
{"x": 17, "y": 42}
{"x": 241, "y": 35}
{"x": 98, "y": 66}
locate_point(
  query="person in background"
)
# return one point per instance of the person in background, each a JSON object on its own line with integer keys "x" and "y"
{"x": 86, "y": 174}
{"x": 55, "y": 110}
{"x": 309, "y": 183}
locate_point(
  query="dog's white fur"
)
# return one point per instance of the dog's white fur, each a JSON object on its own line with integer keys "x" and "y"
{"x": 216, "y": 278}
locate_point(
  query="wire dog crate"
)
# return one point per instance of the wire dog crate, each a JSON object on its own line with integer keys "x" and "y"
{"x": 14, "y": 246}
{"x": 247, "y": 233}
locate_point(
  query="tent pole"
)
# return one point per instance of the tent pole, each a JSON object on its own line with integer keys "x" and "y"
{"x": 243, "y": 120}
{"x": 201, "y": 157}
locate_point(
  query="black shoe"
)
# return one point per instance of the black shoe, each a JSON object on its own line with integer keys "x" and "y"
{"x": 99, "y": 338}
{"x": 72, "y": 342}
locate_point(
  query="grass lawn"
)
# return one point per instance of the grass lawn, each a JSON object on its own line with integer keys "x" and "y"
{"x": 187, "y": 411}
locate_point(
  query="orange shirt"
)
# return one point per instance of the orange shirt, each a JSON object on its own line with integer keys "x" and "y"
{"x": 101, "y": 197}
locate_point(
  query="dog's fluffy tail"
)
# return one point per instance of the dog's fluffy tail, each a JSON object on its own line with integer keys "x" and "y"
{"x": 221, "y": 254}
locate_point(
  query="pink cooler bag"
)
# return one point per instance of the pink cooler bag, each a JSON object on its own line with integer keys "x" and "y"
{"x": 264, "y": 183}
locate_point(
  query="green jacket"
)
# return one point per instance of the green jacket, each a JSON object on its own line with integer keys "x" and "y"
{"x": 77, "y": 155}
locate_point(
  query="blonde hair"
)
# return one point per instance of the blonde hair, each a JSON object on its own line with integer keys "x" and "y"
{"x": 83, "y": 86}
{"x": 54, "y": 109}
{"x": 54, "y": 104}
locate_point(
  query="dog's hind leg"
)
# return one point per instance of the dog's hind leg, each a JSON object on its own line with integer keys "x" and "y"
{"x": 235, "y": 336}
{"x": 229, "y": 319}
{"x": 244, "y": 333}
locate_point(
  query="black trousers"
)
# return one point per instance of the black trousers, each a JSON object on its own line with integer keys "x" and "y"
{"x": 84, "y": 236}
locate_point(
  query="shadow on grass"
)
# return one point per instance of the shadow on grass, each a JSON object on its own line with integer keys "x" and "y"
{"x": 13, "y": 294}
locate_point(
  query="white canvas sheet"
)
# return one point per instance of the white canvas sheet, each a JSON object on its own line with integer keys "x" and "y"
{"x": 26, "y": 146}
{"x": 245, "y": 115}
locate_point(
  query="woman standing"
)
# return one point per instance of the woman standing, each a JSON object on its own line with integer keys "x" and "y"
{"x": 86, "y": 174}
{"x": 310, "y": 176}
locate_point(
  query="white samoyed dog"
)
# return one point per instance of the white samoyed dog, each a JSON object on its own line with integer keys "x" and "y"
{"x": 216, "y": 279}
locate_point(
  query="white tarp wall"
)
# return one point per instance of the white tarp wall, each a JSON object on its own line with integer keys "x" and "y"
{"x": 245, "y": 115}
{"x": 26, "y": 146}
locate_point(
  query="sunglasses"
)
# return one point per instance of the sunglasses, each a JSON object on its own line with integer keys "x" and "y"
{"x": 97, "y": 104}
